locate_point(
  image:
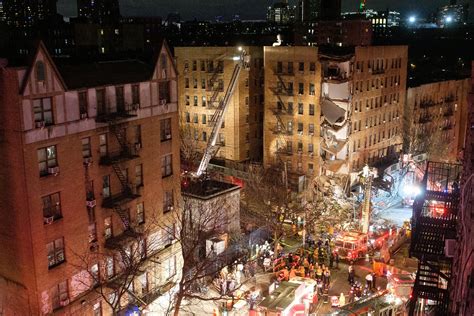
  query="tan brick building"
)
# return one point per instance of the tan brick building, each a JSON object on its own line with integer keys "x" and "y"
{"x": 438, "y": 113}
{"x": 90, "y": 155}
{"x": 379, "y": 88}
{"x": 292, "y": 110}
{"x": 205, "y": 73}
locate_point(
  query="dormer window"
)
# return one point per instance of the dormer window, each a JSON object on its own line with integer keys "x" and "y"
{"x": 40, "y": 72}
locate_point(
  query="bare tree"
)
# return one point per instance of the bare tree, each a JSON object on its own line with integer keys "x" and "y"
{"x": 269, "y": 201}
{"x": 116, "y": 273}
{"x": 201, "y": 227}
{"x": 189, "y": 149}
{"x": 425, "y": 134}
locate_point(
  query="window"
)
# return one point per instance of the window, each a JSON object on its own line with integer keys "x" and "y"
{"x": 82, "y": 96}
{"x": 137, "y": 139}
{"x": 86, "y": 147}
{"x": 289, "y": 146}
{"x": 108, "y": 227}
{"x": 43, "y": 112}
{"x": 95, "y": 274}
{"x": 166, "y": 166}
{"x": 97, "y": 309}
{"x": 194, "y": 65}
{"x": 169, "y": 267}
{"x": 119, "y": 99}
{"x": 188, "y": 117}
{"x": 311, "y": 109}
{"x": 312, "y": 66}
{"x": 165, "y": 128}
{"x": 140, "y": 214}
{"x": 47, "y": 160}
{"x": 290, "y": 88}
{"x": 290, "y": 107}
{"x": 301, "y": 66}
{"x": 195, "y": 100}
{"x": 167, "y": 201}
{"x": 203, "y": 101}
{"x": 300, "y": 146}
{"x": 311, "y": 89}
{"x": 290, "y": 67}
{"x": 310, "y": 148}
{"x": 311, "y": 129}
{"x": 103, "y": 145}
{"x": 203, "y": 83}
{"x": 203, "y": 65}
{"x": 204, "y": 136}
{"x": 300, "y": 128}
{"x": 55, "y": 250}
{"x": 59, "y": 295}
{"x": 300, "y": 88}
{"x": 106, "y": 186}
{"x": 136, "y": 94}
{"x": 51, "y": 207}
{"x": 279, "y": 67}
{"x": 204, "y": 119}
{"x": 139, "y": 175}
{"x": 187, "y": 99}
{"x": 101, "y": 106}
{"x": 92, "y": 229}
{"x": 195, "y": 83}
{"x": 109, "y": 267}
{"x": 300, "y": 108}
{"x": 186, "y": 82}
{"x": 195, "y": 118}
{"x": 40, "y": 71}
{"x": 164, "y": 92}
{"x": 290, "y": 127}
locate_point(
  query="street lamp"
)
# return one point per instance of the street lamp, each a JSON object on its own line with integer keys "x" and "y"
{"x": 412, "y": 19}
{"x": 449, "y": 19}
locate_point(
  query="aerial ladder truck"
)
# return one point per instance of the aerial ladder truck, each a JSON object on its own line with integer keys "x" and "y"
{"x": 243, "y": 62}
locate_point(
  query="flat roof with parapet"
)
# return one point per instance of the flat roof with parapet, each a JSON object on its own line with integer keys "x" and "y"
{"x": 207, "y": 189}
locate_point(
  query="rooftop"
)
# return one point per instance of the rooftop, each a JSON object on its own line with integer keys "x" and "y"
{"x": 207, "y": 189}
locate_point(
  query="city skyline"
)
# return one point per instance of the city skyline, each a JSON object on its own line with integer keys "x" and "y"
{"x": 209, "y": 9}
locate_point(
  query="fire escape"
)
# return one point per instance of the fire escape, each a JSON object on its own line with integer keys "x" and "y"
{"x": 215, "y": 84}
{"x": 281, "y": 111}
{"x": 115, "y": 159}
{"x": 433, "y": 236}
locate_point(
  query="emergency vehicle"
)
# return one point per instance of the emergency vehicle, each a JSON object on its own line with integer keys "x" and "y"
{"x": 351, "y": 245}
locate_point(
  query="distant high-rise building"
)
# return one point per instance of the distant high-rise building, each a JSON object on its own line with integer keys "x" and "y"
{"x": 24, "y": 13}
{"x": 2, "y": 14}
{"x": 453, "y": 14}
{"x": 330, "y": 9}
{"x": 308, "y": 10}
{"x": 99, "y": 11}
{"x": 280, "y": 12}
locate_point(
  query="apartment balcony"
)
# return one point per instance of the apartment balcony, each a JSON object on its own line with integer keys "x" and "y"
{"x": 424, "y": 119}
{"x": 118, "y": 156}
{"x": 120, "y": 241}
{"x": 123, "y": 197}
{"x": 283, "y": 92}
{"x": 448, "y": 112}
{"x": 284, "y": 151}
{"x": 447, "y": 127}
{"x": 289, "y": 72}
{"x": 281, "y": 131}
{"x": 122, "y": 112}
{"x": 277, "y": 111}
{"x": 427, "y": 104}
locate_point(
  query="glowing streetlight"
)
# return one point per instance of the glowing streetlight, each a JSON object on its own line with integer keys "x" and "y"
{"x": 449, "y": 19}
{"x": 412, "y": 19}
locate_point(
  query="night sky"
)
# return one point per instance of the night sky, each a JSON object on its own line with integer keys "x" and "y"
{"x": 248, "y": 9}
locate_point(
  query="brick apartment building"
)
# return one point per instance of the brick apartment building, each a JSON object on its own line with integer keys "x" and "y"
{"x": 205, "y": 73}
{"x": 292, "y": 110}
{"x": 437, "y": 110}
{"x": 462, "y": 294}
{"x": 90, "y": 155}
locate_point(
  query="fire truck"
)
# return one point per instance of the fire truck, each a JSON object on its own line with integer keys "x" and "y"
{"x": 352, "y": 245}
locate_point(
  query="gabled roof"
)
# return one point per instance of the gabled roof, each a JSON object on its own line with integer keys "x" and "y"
{"x": 40, "y": 47}
{"x": 76, "y": 75}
